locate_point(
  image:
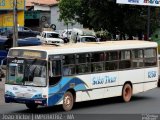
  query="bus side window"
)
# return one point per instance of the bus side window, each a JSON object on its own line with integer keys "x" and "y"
{"x": 125, "y": 59}
{"x": 66, "y": 70}
{"x": 69, "y": 67}
{"x": 111, "y": 59}
{"x": 82, "y": 63}
{"x": 97, "y": 62}
{"x": 137, "y": 58}
{"x": 150, "y": 57}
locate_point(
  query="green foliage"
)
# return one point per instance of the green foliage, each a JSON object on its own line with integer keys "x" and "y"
{"x": 105, "y": 35}
{"x": 69, "y": 9}
{"x": 107, "y": 15}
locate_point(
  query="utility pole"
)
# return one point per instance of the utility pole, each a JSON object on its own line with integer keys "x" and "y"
{"x": 148, "y": 23}
{"x": 15, "y": 30}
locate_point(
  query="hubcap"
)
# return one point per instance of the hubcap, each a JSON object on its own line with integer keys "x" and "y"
{"x": 67, "y": 101}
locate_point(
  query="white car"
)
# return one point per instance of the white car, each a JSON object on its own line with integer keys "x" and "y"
{"x": 50, "y": 37}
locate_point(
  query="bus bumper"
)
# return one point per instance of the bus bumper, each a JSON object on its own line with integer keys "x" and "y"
{"x": 38, "y": 101}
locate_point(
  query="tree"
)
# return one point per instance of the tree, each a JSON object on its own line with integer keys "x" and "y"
{"x": 106, "y": 15}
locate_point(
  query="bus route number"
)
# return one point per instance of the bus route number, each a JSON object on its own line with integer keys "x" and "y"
{"x": 151, "y": 74}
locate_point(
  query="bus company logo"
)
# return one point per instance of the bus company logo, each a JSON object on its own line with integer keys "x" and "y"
{"x": 103, "y": 80}
{"x": 151, "y": 74}
{"x": 133, "y": 1}
{"x": 152, "y": 1}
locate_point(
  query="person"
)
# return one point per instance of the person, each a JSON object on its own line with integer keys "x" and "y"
{"x": 145, "y": 37}
{"x": 9, "y": 42}
{"x": 66, "y": 71}
{"x": 77, "y": 38}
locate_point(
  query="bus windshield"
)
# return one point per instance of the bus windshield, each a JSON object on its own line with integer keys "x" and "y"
{"x": 30, "y": 72}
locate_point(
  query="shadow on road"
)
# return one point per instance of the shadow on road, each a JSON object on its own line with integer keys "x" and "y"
{"x": 83, "y": 105}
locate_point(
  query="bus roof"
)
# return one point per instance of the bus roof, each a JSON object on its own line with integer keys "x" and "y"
{"x": 90, "y": 46}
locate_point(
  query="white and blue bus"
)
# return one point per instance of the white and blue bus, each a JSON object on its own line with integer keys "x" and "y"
{"x": 64, "y": 74}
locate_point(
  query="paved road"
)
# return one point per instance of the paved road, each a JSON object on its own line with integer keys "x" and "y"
{"x": 147, "y": 102}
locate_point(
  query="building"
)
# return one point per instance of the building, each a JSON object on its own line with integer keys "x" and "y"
{"x": 38, "y": 14}
{"x": 41, "y": 13}
{"x": 6, "y": 14}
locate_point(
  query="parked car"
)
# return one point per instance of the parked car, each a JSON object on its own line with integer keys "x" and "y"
{"x": 29, "y": 41}
{"x": 50, "y": 37}
{"x": 21, "y": 34}
{"x": 26, "y": 38}
{"x": 78, "y": 33}
{"x": 87, "y": 39}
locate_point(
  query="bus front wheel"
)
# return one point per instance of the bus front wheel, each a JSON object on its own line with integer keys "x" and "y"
{"x": 127, "y": 92}
{"x": 31, "y": 106}
{"x": 68, "y": 101}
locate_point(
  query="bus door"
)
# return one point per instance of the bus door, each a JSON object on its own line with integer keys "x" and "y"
{"x": 55, "y": 76}
{"x": 56, "y": 72}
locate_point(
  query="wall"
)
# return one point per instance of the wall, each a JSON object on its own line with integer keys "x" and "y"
{"x": 60, "y": 25}
{"x": 42, "y": 8}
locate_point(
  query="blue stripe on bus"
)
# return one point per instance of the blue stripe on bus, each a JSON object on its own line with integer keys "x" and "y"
{"x": 56, "y": 97}
{"x": 79, "y": 87}
{"x": 55, "y": 89}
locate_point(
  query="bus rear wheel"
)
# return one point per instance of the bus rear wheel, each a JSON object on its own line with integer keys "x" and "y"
{"x": 127, "y": 92}
{"x": 68, "y": 101}
{"x": 32, "y": 106}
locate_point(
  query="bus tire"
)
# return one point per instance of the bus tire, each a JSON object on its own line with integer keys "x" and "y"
{"x": 31, "y": 106}
{"x": 68, "y": 101}
{"x": 158, "y": 84}
{"x": 127, "y": 92}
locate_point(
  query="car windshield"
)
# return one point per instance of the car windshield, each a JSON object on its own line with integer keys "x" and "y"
{"x": 88, "y": 39}
{"x": 52, "y": 35}
{"x": 26, "y": 72}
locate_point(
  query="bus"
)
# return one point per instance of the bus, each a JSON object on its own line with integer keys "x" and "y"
{"x": 49, "y": 75}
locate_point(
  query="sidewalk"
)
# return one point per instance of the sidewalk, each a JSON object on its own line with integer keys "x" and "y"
{"x": 2, "y": 91}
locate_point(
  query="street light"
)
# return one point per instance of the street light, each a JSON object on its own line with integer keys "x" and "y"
{"x": 15, "y": 30}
